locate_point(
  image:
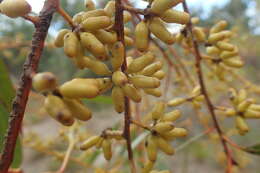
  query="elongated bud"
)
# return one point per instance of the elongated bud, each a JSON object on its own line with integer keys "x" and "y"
{"x": 163, "y": 127}
{"x": 199, "y": 34}
{"x": 229, "y": 54}
{"x": 96, "y": 66}
{"x": 15, "y": 8}
{"x": 77, "y": 109}
{"x": 179, "y": 132}
{"x": 221, "y": 25}
{"x": 175, "y": 16}
{"x": 140, "y": 63}
{"x": 241, "y": 125}
{"x": 176, "y": 102}
{"x": 59, "y": 40}
{"x": 119, "y": 78}
{"x": 114, "y": 134}
{"x": 90, "y": 5}
{"x": 212, "y": 50}
{"x": 56, "y": 108}
{"x": 45, "y": 81}
{"x": 90, "y": 42}
{"x": 160, "y": 6}
{"x": 234, "y": 62}
{"x": 71, "y": 44}
{"x": 158, "y": 110}
{"x": 131, "y": 92}
{"x": 158, "y": 28}
{"x": 107, "y": 149}
{"x": 225, "y": 46}
{"x": 164, "y": 146}
{"x": 230, "y": 112}
{"x": 95, "y": 23}
{"x": 90, "y": 142}
{"x": 151, "y": 148}
{"x": 159, "y": 74}
{"x": 141, "y": 81}
{"x": 255, "y": 107}
{"x": 93, "y": 13}
{"x": 80, "y": 88}
{"x": 110, "y": 8}
{"x": 106, "y": 37}
{"x": 152, "y": 68}
{"x": 244, "y": 105}
{"x": 252, "y": 114}
{"x": 142, "y": 36}
{"x": 171, "y": 116}
{"x": 153, "y": 91}
{"x": 118, "y": 99}
{"x": 118, "y": 54}
{"x": 213, "y": 38}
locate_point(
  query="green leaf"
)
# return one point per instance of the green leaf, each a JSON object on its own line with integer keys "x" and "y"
{"x": 7, "y": 91}
{"x": 101, "y": 100}
{"x": 254, "y": 149}
{"x": 7, "y": 94}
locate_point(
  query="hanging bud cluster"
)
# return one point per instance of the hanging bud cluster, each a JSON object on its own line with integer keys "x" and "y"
{"x": 243, "y": 108}
{"x": 195, "y": 97}
{"x": 220, "y": 50}
{"x": 142, "y": 73}
{"x": 103, "y": 141}
{"x": 161, "y": 12}
{"x": 59, "y": 105}
{"x": 163, "y": 132}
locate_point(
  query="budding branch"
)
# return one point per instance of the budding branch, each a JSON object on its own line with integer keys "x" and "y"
{"x": 25, "y": 84}
{"x": 205, "y": 93}
{"x": 119, "y": 28}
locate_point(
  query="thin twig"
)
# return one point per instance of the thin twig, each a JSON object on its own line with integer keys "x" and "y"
{"x": 119, "y": 28}
{"x": 33, "y": 19}
{"x": 66, "y": 16}
{"x": 140, "y": 125}
{"x": 30, "y": 66}
{"x": 205, "y": 93}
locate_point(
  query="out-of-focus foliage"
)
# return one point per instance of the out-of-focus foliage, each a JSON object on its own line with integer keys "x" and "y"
{"x": 6, "y": 96}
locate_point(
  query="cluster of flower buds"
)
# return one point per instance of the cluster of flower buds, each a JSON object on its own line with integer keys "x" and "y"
{"x": 243, "y": 108}
{"x": 195, "y": 97}
{"x": 15, "y": 8}
{"x": 161, "y": 12}
{"x": 221, "y": 51}
{"x": 103, "y": 141}
{"x": 61, "y": 107}
{"x": 94, "y": 33}
{"x": 162, "y": 133}
{"x": 142, "y": 73}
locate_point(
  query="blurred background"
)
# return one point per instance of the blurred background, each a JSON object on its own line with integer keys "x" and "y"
{"x": 202, "y": 155}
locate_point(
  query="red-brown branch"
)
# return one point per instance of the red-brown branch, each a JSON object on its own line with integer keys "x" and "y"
{"x": 205, "y": 93}
{"x": 30, "y": 66}
{"x": 119, "y": 28}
